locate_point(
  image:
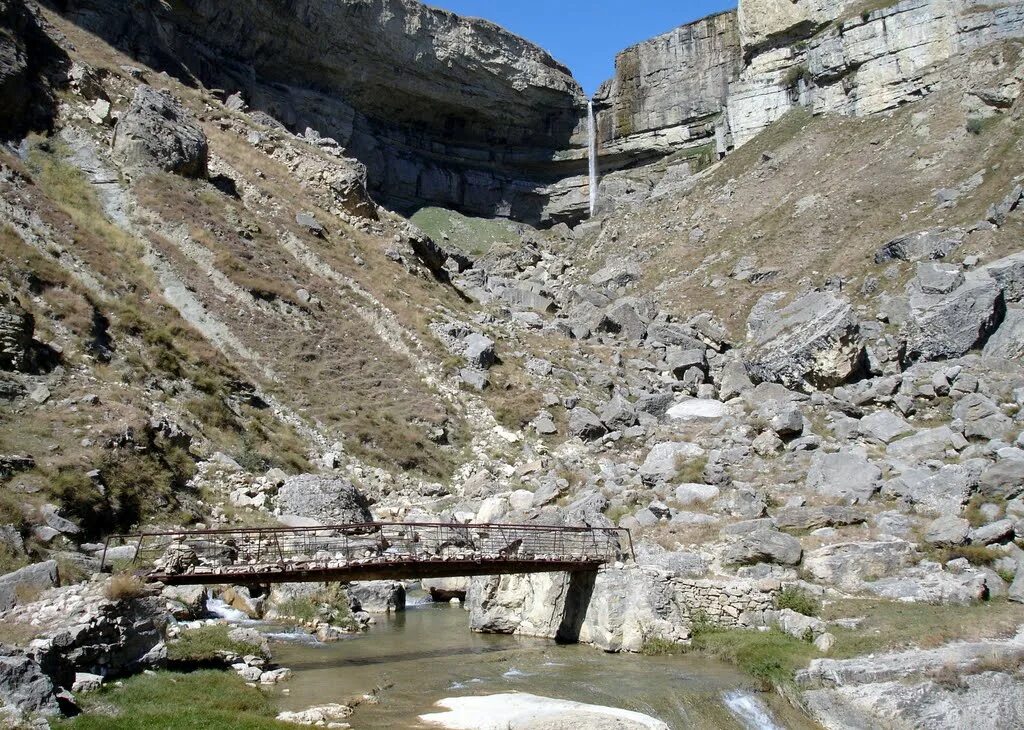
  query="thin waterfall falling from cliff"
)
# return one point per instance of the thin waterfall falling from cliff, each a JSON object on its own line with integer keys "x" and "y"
{"x": 592, "y": 153}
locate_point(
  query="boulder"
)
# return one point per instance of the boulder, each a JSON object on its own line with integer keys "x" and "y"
{"x": 584, "y": 424}
{"x": 688, "y": 495}
{"x": 697, "y": 409}
{"x": 935, "y": 243}
{"x": 931, "y": 584}
{"x": 813, "y": 518}
{"x": 764, "y": 546}
{"x": 1008, "y": 341}
{"x": 1008, "y": 273}
{"x": 950, "y": 312}
{"x": 1003, "y": 479}
{"x": 327, "y": 500}
{"x": 931, "y": 443}
{"x": 479, "y": 351}
{"x": 934, "y": 491}
{"x": 23, "y": 684}
{"x": 846, "y": 475}
{"x": 847, "y": 565}
{"x": 186, "y": 603}
{"x": 618, "y": 414}
{"x": 947, "y": 530}
{"x": 679, "y": 361}
{"x": 378, "y": 596}
{"x": 665, "y": 459}
{"x": 883, "y": 427}
{"x": 1016, "y": 593}
{"x": 155, "y": 132}
{"x": 813, "y": 342}
{"x": 981, "y": 417}
{"x": 25, "y": 584}
{"x": 994, "y": 532}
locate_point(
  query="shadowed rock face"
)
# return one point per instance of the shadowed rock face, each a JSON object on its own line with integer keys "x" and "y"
{"x": 29, "y": 64}
{"x": 442, "y": 110}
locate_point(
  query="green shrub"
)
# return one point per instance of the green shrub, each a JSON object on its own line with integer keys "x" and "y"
{"x": 124, "y": 587}
{"x": 657, "y": 646}
{"x": 690, "y": 470}
{"x": 980, "y": 555}
{"x": 799, "y": 600}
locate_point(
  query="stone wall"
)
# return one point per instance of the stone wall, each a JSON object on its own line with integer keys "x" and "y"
{"x": 616, "y": 609}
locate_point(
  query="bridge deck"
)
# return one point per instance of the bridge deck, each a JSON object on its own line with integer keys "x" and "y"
{"x": 371, "y": 551}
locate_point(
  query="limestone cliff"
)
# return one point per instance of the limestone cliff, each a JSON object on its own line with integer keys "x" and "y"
{"x": 722, "y": 80}
{"x": 843, "y": 60}
{"x": 668, "y": 92}
{"x": 442, "y": 109}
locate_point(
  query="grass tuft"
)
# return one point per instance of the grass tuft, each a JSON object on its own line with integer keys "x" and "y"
{"x": 208, "y": 643}
{"x": 799, "y": 600}
{"x": 124, "y": 587}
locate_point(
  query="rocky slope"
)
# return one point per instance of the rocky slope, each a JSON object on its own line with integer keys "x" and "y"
{"x": 441, "y": 109}
{"x": 795, "y": 372}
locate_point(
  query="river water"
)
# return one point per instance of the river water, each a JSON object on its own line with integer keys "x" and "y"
{"x": 428, "y": 653}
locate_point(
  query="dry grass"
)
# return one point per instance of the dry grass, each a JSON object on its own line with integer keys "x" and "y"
{"x": 890, "y": 626}
{"x": 124, "y": 587}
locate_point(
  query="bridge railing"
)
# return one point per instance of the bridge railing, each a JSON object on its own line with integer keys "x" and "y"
{"x": 299, "y": 548}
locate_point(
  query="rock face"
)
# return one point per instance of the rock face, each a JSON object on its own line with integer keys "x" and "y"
{"x": 324, "y": 500}
{"x": 831, "y": 57}
{"x": 79, "y": 629}
{"x": 668, "y": 93}
{"x": 712, "y": 85}
{"x": 384, "y": 596}
{"x": 442, "y": 110}
{"x": 764, "y": 546}
{"x": 30, "y": 64}
{"x": 156, "y": 132}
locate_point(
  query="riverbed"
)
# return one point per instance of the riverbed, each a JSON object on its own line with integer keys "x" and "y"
{"x": 412, "y": 660}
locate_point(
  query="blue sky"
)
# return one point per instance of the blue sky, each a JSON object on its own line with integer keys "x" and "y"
{"x": 585, "y": 35}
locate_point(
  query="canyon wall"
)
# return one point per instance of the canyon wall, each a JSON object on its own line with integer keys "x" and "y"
{"x": 668, "y": 92}
{"x": 460, "y": 113}
{"x": 442, "y": 110}
{"x": 689, "y": 96}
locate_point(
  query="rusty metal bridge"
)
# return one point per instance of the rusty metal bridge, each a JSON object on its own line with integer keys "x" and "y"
{"x": 370, "y": 551}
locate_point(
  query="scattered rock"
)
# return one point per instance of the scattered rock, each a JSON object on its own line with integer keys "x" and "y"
{"x": 156, "y": 132}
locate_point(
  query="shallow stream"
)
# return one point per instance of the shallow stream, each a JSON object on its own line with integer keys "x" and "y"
{"x": 428, "y": 653}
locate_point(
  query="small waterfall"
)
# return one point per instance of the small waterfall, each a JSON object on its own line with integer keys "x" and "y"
{"x": 223, "y": 611}
{"x": 750, "y": 711}
{"x": 592, "y": 154}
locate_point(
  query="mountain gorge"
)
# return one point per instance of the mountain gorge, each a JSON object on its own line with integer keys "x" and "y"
{"x": 300, "y": 262}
